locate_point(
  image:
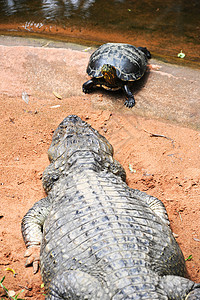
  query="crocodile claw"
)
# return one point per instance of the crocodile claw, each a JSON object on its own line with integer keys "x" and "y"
{"x": 33, "y": 257}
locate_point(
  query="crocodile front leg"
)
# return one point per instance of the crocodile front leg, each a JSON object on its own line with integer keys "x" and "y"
{"x": 154, "y": 203}
{"x": 32, "y": 227}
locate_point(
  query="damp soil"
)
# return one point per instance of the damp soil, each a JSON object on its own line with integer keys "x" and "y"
{"x": 159, "y": 151}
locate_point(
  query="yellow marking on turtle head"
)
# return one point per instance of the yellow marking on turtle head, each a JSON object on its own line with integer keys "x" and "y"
{"x": 109, "y": 74}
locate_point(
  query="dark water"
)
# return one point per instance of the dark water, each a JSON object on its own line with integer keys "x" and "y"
{"x": 165, "y": 27}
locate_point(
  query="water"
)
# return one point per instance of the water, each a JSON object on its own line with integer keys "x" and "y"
{"x": 165, "y": 27}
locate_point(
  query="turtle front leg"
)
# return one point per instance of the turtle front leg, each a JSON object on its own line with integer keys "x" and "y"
{"x": 88, "y": 85}
{"x": 130, "y": 101}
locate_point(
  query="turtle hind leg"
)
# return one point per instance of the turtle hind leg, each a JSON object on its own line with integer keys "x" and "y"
{"x": 145, "y": 51}
{"x": 88, "y": 86}
{"x": 130, "y": 101}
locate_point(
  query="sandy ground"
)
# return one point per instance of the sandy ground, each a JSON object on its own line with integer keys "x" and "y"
{"x": 157, "y": 142}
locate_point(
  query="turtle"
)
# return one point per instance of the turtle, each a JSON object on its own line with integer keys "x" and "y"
{"x": 114, "y": 66}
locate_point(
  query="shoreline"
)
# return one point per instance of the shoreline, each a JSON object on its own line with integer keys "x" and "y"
{"x": 162, "y": 48}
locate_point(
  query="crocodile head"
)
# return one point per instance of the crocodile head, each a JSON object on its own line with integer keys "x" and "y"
{"x": 76, "y": 136}
{"x": 76, "y": 143}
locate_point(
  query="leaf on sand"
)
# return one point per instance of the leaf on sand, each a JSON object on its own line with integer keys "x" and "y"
{"x": 25, "y": 97}
{"x": 188, "y": 258}
{"x": 11, "y": 270}
{"x": 11, "y": 293}
{"x": 55, "y": 106}
{"x": 57, "y": 95}
{"x": 131, "y": 169}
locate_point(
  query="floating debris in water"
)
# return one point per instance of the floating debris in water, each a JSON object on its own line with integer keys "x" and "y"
{"x": 181, "y": 54}
{"x": 46, "y": 44}
{"x": 25, "y": 97}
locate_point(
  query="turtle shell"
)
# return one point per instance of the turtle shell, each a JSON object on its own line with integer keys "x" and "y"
{"x": 129, "y": 61}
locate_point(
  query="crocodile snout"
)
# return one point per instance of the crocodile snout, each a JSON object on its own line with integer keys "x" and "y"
{"x": 73, "y": 119}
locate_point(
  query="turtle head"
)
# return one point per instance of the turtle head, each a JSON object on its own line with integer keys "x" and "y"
{"x": 109, "y": 74}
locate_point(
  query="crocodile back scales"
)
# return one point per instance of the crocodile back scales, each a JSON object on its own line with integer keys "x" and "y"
{"x": 97, "y": 224}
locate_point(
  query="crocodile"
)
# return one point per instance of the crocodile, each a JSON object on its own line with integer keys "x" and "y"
{"x": 94, "y": 237}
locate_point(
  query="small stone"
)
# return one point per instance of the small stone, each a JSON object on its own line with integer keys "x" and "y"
{"x": 196, "y": 240}
{"x": 175, "y": 235}
{"x": 11, "y": 293}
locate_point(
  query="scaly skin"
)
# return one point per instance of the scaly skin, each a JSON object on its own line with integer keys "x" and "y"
{"x": 100, "y": 239}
